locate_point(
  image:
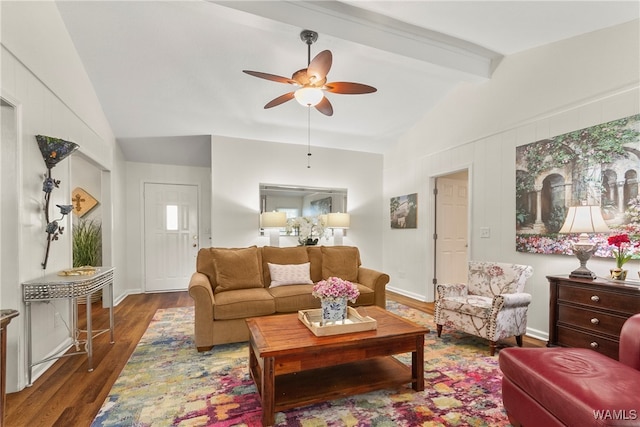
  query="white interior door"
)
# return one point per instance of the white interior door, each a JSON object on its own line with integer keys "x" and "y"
{"x": 451, "y": 228}
{"x": 170, "y": 235}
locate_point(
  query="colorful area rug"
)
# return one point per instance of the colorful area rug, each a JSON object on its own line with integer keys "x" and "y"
{"x": 166, "y": 382}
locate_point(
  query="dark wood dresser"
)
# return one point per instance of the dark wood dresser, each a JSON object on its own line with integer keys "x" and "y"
{"x": 590, "y": 313}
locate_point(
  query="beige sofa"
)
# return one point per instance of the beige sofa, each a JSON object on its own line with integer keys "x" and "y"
{"x": 232, "y": 284}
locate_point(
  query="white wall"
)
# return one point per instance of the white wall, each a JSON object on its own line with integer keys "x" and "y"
{"x": 43, "y": 76}
{"x": 137, "y": 174}
{"x": 239, "y": 166}
{"x": 536, "y": 94}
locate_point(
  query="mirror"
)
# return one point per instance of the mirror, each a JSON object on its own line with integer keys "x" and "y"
{"x": 296, "y": 200}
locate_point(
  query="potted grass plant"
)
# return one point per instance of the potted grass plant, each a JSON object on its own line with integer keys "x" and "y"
{"x": 87, "y": 247}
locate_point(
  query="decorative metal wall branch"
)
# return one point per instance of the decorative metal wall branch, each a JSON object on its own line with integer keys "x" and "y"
{"x": 53, "y": 151}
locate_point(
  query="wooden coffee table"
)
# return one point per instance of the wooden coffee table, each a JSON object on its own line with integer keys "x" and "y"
{"x": 292, "y": 367}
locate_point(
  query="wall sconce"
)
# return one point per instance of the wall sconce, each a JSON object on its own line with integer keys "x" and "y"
{"x": 338, "y": 222}
{"x": 273, "y": 221}
{"x": 53, "y": 150}
{"x": 584, "y": 219}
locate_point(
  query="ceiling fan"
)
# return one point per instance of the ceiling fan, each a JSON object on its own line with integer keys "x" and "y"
{"x": 312, "y": 81}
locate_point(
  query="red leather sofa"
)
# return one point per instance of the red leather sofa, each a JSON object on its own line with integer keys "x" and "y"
{"x": 573, "y": 386}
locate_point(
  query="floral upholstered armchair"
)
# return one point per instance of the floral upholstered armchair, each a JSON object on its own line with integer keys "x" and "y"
{"x": 491, "y": 305}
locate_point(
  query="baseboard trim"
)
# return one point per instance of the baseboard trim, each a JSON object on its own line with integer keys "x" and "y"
{"x": 125, "y": 294}
{"x": 537, "y": 334}
{"x": 407, "y": 294}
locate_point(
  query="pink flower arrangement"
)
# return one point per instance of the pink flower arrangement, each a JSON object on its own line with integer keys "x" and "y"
{"x": 334, "y": 287}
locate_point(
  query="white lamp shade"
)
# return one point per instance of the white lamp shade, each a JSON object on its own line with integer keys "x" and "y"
{"x": 584, "y": 219}
{"x": 338, "y": 220}
{"x": 309, "y": 96}
{"x": 273, "y": 219}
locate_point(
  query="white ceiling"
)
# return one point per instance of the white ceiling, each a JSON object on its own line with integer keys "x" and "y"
{"x": 168, "y": 73}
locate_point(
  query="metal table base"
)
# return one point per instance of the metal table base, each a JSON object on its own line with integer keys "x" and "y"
{"x": 53, "y": 286}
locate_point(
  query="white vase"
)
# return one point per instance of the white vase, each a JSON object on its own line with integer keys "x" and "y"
{"x": 333, "y": 310}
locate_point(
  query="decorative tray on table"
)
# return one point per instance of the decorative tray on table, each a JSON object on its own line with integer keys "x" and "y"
{"x": 354, "y": 322}
{"x": 78, "y": 271}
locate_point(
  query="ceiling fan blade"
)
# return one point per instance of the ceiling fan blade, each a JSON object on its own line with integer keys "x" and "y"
{"x": 349, "y": 88}
{"x": 271, "y": 77}
{"x": 319, "y": 66}
{"x": 325, "y": 107}
{"x": 279, "y": 100}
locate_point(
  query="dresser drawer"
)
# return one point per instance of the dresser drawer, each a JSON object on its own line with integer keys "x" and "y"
{"x": 571, "y": 338}
{"x": 598, "y": 298}
{"x": 596, "y": 321}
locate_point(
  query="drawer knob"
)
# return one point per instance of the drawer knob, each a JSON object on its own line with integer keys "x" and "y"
{"x": 595, "y": 298}
{"x": 595, "y": 321}
{"x": 594, "y": 345}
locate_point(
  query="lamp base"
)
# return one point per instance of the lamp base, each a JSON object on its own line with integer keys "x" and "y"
{"x": 582, "y": 273}
{"x": 583, "y": 251}
{"x": 274, "y": 237}
{"x": 338, "y": 235}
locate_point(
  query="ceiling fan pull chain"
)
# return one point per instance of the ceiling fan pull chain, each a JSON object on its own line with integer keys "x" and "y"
{"x": 308, "y": 137}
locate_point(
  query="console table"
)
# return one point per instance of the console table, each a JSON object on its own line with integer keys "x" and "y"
{"x": 590, "y": 313}
{"x": 54, "y": 286}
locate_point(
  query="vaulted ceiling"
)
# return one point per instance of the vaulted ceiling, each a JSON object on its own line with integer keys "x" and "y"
{"x": 169, "y": 72}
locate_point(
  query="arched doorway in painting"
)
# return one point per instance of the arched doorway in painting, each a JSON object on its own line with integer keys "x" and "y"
{"x": 553, "y": 202}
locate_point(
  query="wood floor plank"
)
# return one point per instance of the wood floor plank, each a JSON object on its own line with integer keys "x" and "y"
{"x": 67, "y": 395}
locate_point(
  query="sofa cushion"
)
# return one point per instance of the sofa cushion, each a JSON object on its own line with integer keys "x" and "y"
{"x": 289, "y": 299}
{"x": 340, "y": 261}
{"x": 367, "y": 295}
{"x": 289, "y": 274}
{"x": 243, "y": 303}
{"x": 274, "y": 255}
{"x": 237, "y": 269}
{"x": 315, "y": 257}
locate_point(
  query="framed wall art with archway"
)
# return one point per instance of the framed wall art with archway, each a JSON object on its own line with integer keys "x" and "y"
{"x": 595, "y": 166}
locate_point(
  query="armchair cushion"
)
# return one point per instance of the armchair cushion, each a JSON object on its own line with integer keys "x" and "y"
{"x": 474, "y": 305}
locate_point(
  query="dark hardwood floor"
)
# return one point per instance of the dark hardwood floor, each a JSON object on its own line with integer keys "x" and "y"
{"x": 68, "y": 395}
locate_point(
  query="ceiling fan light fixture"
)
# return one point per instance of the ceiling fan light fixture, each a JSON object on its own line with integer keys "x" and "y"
{"x": 309, "y": 96}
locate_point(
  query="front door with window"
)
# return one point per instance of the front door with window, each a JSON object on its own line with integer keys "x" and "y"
{"x": 170, "y": 235}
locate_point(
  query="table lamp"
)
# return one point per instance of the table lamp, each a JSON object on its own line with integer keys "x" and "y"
{"x": 338, "y": 222}
{"x": 584, "y": 219}
{"x": 273, "y": 221}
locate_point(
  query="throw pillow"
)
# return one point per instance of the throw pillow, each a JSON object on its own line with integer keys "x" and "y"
{"x": 340, "y": 261}
{"x": 290, "y": 274}
{"x": 274, "y": 255}
{"x": 237, "y": 268}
